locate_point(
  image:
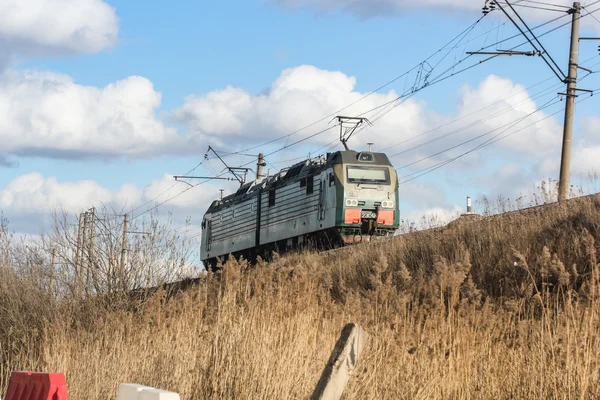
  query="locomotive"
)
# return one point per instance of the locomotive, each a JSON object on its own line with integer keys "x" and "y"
{"x": 330, "y": 201}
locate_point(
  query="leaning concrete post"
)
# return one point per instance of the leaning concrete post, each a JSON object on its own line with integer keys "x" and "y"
{"x": 341, "y": 364}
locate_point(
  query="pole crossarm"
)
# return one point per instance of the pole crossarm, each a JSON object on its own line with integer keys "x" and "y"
{"x": 560, "y": 75}
{"x": 505, "y": 53}
{"x": 570, "y": 79}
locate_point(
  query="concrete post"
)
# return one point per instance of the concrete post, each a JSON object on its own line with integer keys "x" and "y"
{"x": 565, "y": 160}
{"x": 341, "y": 364}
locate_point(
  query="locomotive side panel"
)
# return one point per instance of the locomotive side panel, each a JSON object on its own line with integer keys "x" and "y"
{"x": 231, "y": 229}
{"x": 298, "y": 208}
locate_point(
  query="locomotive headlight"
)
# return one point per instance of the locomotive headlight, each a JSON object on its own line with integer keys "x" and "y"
{"x": 387, "y": 204}
{"x": 351, "y": 203}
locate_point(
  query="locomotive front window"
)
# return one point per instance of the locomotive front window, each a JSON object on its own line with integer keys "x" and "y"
{"x": 368, "y": 175}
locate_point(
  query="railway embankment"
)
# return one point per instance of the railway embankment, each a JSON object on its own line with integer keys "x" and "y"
{"x": 505, "y": 306}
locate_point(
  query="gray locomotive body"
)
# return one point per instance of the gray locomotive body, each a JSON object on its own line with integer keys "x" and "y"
{"x": 345, "y": 198}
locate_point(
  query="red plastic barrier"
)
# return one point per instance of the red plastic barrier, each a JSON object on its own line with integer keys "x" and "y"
{"x": 36, "y": 386}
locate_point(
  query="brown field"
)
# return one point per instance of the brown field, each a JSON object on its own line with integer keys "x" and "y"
{"x": 495, "y": 308}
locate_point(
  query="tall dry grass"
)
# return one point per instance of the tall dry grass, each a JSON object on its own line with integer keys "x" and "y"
{"x": 501, "y": 307}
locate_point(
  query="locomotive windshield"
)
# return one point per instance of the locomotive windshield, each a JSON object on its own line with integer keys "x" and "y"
{"x": 374, "y": 175}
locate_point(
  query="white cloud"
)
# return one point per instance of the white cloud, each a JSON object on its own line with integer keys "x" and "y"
{"x": 44, "y": 27}
{"x": 194, "y": 198}
{"x": 47, "y": 114}
{"x": 421, "y": 195}
{"x": 29, "y": 199}
{"x": 299, "y": 97}
{"x": 427, "y": 218}
{"x": 32, "y": 193}
{"x": 505, "y": 102}
{"x": 235, "y": 118}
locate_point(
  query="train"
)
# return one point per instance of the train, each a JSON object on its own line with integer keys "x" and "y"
{"x": 334, "y": 200}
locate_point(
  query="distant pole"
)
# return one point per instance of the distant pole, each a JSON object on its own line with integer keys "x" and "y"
{"x": 565, "y": 161}
{"x": 91, "y": 260}
{"x": 78, "y": 253}
{"x": 124, "y": 251}
{"x": 469, "y": 205}
{"x": 84, "y": 247}
{"x": 52, "y": 260}
{"x": 259, "y": 165}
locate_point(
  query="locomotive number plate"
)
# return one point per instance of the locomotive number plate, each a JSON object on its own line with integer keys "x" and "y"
{"x": 369, "y": 215}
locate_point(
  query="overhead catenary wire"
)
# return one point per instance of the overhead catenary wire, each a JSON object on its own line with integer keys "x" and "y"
{"x": 439, "y": 78}
{"x": 591, "y": 15}
{"x": 301, "y": 129}
{"x": 487, "y": 133}
{"x": 478, "y": 147}
{"x": 496, "y": 138}
{"x": 442, "y": 78}
{"x": 543, "y": 53}
{"x": 475, "y": 123}
{"x": 468, "y": 29}
{"x": 509, "y": 124}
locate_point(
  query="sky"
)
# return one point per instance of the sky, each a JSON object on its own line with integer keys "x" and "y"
{"x": 102, "y": 102}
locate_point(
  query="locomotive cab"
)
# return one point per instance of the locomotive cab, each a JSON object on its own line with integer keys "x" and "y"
{"x": 368, "y": 203}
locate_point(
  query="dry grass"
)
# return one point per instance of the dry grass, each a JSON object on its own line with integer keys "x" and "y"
{"x": 497, "y": 308}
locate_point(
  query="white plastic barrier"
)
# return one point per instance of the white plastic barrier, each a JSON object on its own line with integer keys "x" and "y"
{"x": 155, "y": 394}
{"x": 131, "y": 391}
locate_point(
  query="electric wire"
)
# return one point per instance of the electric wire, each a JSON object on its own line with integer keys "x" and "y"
{"x": 475, "y": 123}
{"x": 482, "y": 145}
{"x": 494, "y": 139}
{"x": 438, "y": 79}
{"x": 510, "y": 125}
{"x": 468, "y": 29}
{"x": 535, "y": 38}
{"x": 441, "y": 78}
{"x": 592, "y": 15}
{"x": 485, "y": 134}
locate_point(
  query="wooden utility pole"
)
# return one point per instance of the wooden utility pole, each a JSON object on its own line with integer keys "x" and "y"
{"x": 123, "y": 252}
{"x": 565, "y": 160}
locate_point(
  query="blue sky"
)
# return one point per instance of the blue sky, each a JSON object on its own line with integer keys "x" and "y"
{"x": 102, "y": 106}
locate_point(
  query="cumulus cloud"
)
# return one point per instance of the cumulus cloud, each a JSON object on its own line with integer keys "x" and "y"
{"x": 299, "y": 97}
{"x": 28, "y": 199}
{"x": 47, "y": 27}
{"x": 505, "y": 102}
{"x": 410, "y": 132}
{"x": 586, "y": 149}
{"x": 47, "y": 114}
{"x": 34, "y": 194}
